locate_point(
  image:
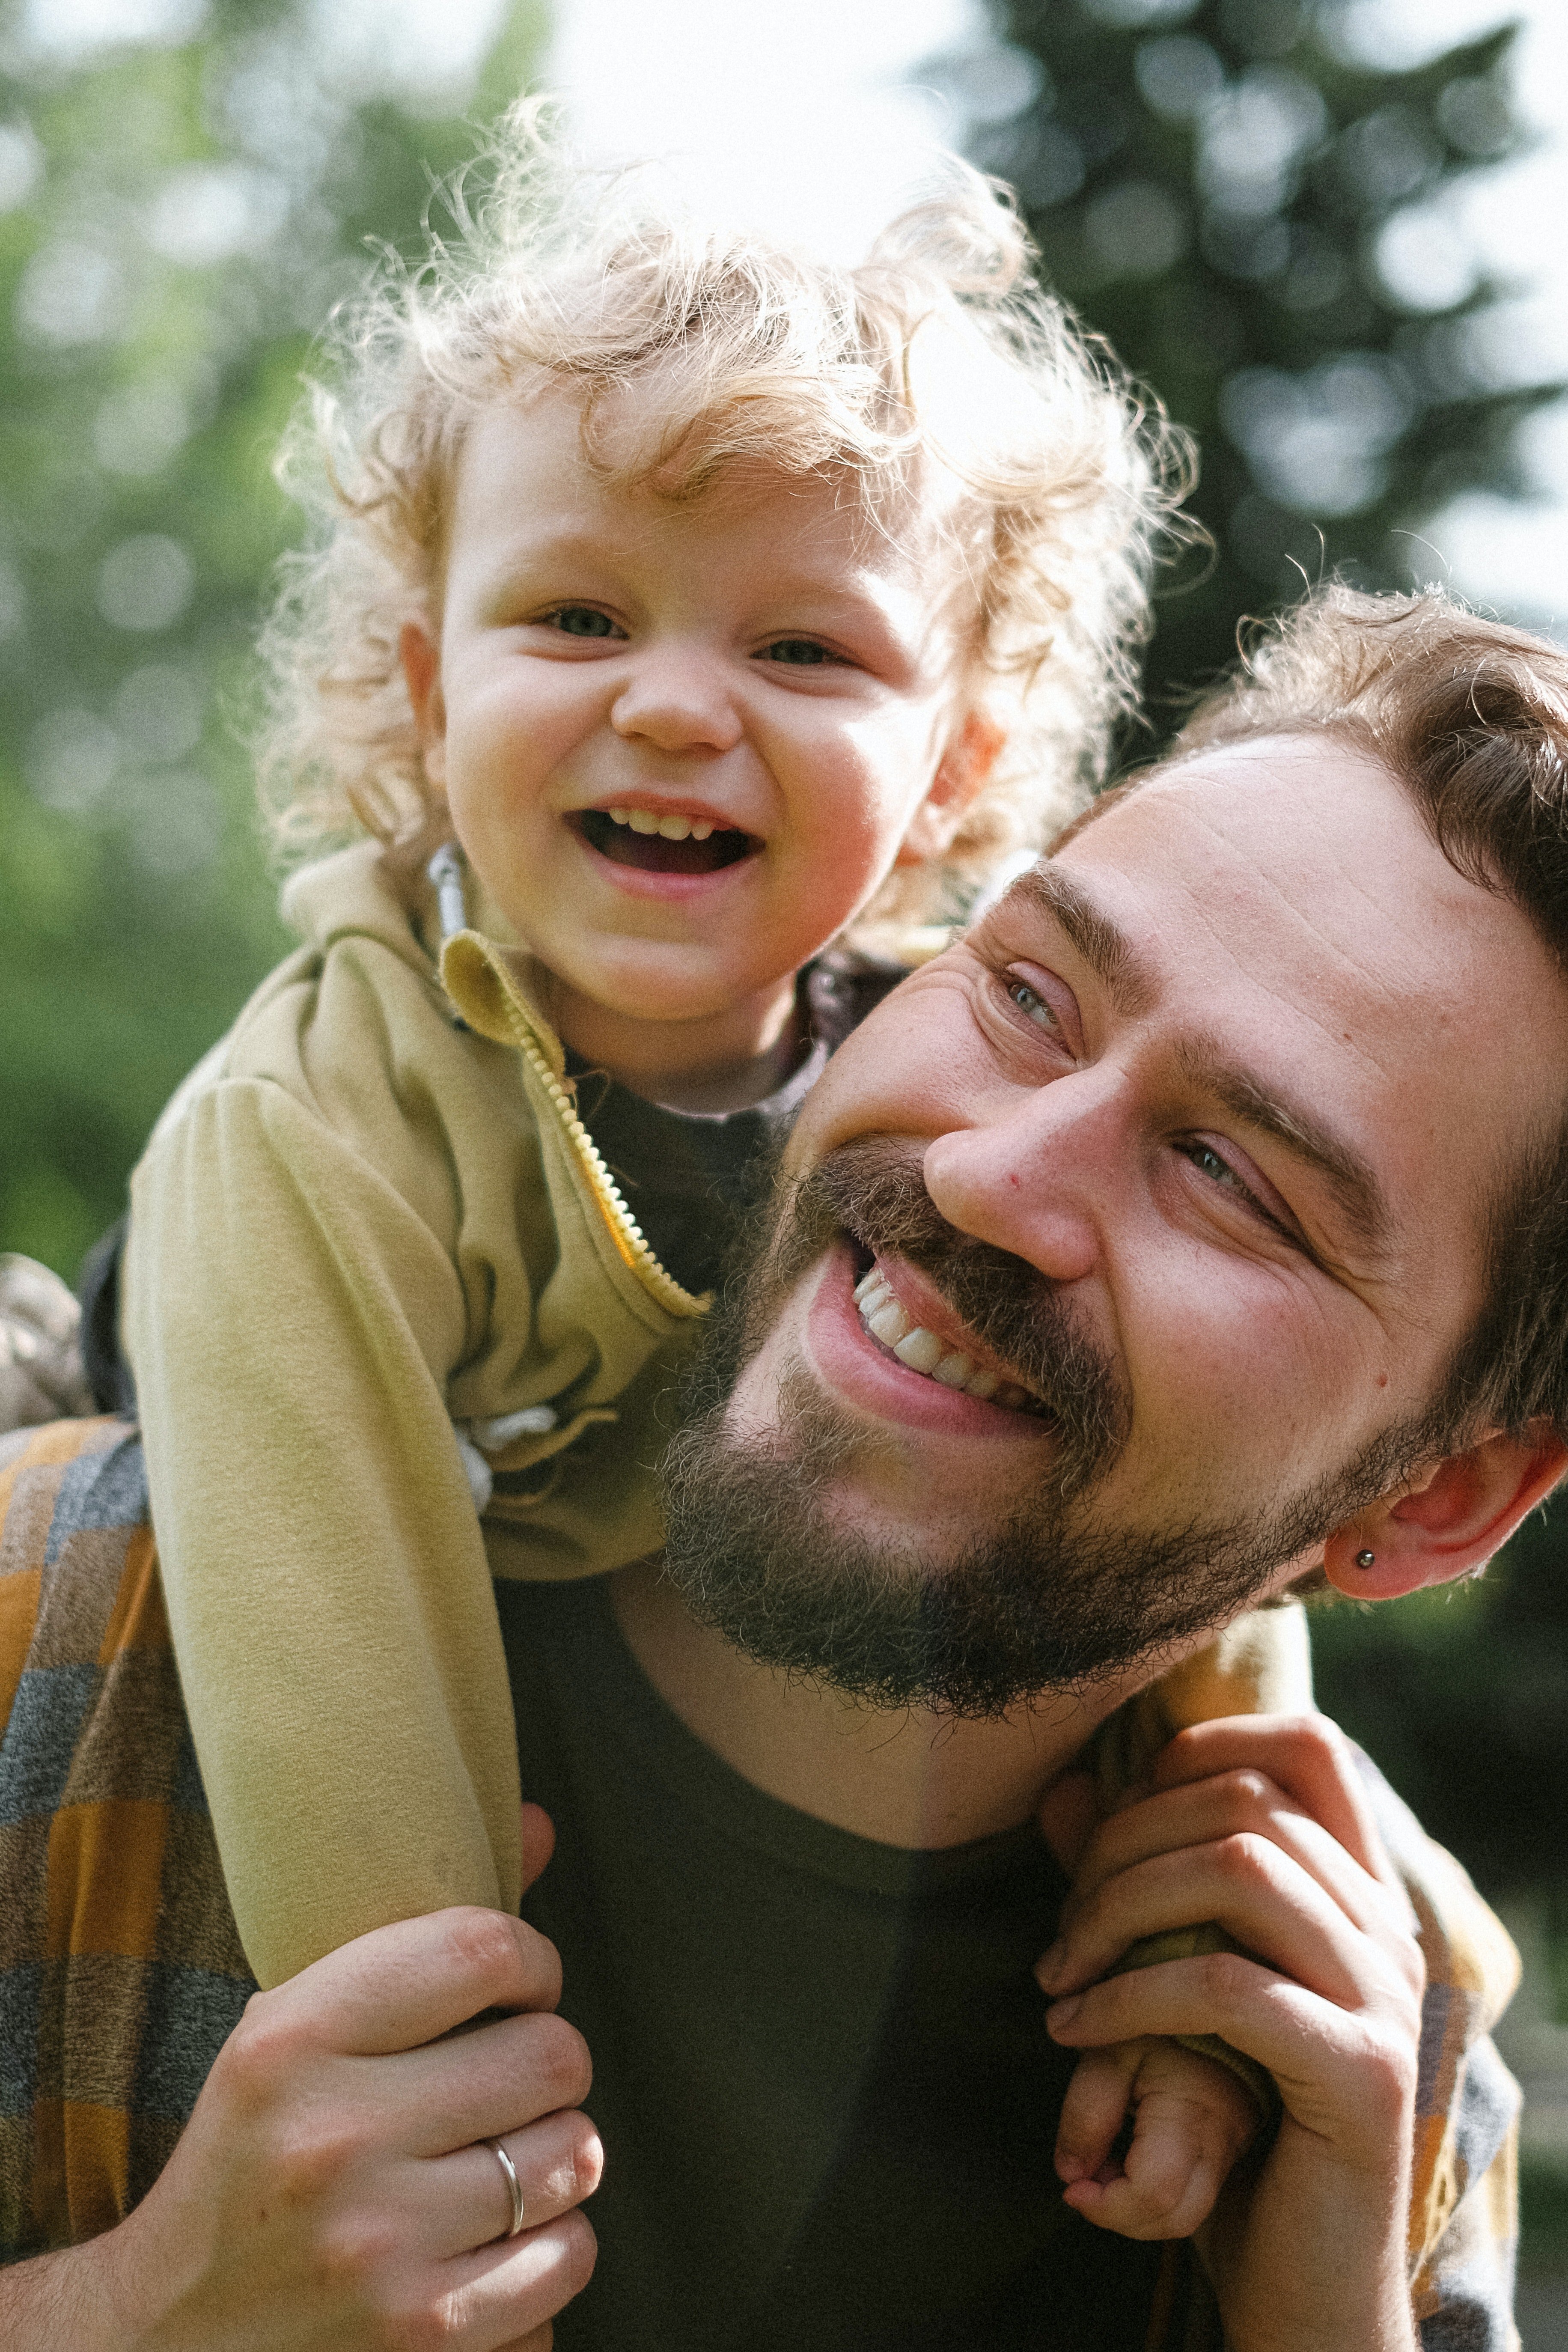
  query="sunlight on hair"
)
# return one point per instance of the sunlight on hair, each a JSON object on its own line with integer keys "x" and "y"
{"x": 693, "y": 348}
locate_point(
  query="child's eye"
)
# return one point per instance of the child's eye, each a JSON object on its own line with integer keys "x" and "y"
{"x": 803, "y": 653}
{"x": 1033, "y": 1005}
{"x": 581, "y": 621}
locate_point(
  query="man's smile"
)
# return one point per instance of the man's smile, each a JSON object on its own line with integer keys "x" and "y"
{"x": 858, "y": 1365}
{"x": 932, "y": 1341}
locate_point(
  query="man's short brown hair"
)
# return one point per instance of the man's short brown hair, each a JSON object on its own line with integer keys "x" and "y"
{"x": 1472, "y": 716}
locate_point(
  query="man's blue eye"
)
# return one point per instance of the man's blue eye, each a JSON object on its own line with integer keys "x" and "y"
{"x": 1208, "y": 1162}
{"x": 804, "y": 653}
{"x": 581, "y": 621}
{"x": 1030, "y": 1002}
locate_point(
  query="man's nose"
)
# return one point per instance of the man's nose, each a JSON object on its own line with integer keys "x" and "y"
{"x": 1045, "y": 1179}
{"x": 677, "y": 698}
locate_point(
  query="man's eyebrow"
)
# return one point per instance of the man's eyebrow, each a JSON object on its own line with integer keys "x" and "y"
{"x": 1361, "y": 1196}
{"x": 1110, "y": 954}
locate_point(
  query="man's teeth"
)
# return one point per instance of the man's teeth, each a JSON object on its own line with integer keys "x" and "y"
{"x": 923, "y": 1351}
{"x": 673, "y": 828}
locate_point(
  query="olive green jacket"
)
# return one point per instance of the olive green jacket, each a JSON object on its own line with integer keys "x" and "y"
{"x": 371, "y": 1212}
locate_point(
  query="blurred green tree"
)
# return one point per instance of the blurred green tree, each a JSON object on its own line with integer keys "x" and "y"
{"x": 177, "y": 216}
{"x": 1267, "y": 229}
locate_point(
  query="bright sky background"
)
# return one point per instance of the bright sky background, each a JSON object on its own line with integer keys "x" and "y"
{"x": 808, "y": 116}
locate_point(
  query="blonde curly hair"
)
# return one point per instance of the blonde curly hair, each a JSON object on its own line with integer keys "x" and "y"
{"x": 941, "y": 349}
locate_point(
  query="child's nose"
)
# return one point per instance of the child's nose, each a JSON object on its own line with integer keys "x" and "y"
{"x": 679, "y": 702}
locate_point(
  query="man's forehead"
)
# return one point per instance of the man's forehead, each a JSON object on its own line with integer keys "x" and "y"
{"x": 1308, "y": 849}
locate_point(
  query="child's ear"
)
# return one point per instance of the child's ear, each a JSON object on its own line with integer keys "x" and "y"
{"x": 1448, "y": 1519}
{"x": 421, "y": 663}
{"x": 959, "y": 780}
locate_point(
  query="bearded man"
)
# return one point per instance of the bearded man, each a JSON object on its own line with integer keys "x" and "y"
{"x": 1194, "y": 1228}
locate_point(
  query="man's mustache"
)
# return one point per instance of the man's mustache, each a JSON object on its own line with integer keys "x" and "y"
{"x": 873, "y": 1189}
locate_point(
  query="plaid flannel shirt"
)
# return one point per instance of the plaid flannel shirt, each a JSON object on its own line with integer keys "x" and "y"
{"x": 121, "y": 1974}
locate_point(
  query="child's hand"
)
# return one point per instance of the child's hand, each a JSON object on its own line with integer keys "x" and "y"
{"x": 1191, "y": 2116}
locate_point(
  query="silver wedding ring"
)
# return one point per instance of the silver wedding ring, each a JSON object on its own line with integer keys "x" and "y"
{"x": 514, "y": 2186}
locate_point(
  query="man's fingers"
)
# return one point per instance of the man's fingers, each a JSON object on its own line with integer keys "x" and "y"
{"x": 402, "y": 1986}
{"x": 1306, "y": 1756}
{"x": 1257, "y": 1893}
{"x": 1238, "y": 1803}
{"x": 465, "y": 2198}
{"x": 505, "y": 2291}
{"x": 479, "y": 2085}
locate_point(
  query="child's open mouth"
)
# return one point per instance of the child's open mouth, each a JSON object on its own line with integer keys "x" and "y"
{"x": 662, "y": 845}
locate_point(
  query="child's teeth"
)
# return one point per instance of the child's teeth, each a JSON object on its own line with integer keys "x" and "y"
{"x": 642, "y": 821}
{"x": 921, "y": 1349}
{"x": 620, "y": 817}
{"x": 701, "y": 829}
{"x": 675, "y": 828}
{"x": 889, "y": 1324}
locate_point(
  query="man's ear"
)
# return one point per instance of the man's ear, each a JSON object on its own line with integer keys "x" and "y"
{"x": 959, "y": 780}
{"x": 421, "y": 660}
{"x": 1446, "y": 1520}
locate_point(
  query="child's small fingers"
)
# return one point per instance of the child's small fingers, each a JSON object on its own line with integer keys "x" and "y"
{"x": 1181, "y": 2090}
{"x": 1174, "y": 2206}
{"x": 1094, "y": 2108}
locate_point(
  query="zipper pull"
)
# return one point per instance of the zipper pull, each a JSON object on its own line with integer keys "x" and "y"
{"x": 446, "y": 871}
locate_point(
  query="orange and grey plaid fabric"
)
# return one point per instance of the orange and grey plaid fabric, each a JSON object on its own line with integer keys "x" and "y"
{"x": 121, "y": 1972}
{"x": 121, "y": 1975}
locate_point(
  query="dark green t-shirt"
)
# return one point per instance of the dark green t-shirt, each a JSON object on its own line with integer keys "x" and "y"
{"x": 822, "y": 2077}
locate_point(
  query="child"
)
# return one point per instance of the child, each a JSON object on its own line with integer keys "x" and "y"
{"x": 685, "y": 609}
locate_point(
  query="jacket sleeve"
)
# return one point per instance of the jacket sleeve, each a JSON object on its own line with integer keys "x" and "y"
{"x": 292, "y": 1319}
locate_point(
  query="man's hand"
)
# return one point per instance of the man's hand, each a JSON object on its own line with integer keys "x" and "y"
{"x": 1260, "y": 1823}
{"x": 333, "y": 2190}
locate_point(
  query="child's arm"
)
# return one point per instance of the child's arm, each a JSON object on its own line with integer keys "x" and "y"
{"x": 292, "y": 1319}
{"x": 1191, "y": 2119}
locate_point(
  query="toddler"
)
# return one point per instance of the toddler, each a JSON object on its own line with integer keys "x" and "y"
{"x": 693, "y": 630}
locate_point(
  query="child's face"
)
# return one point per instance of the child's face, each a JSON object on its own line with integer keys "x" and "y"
{"x": 682, "y": 745}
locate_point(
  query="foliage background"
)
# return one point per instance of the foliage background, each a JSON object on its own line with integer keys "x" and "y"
{"x": 176, "y": 220}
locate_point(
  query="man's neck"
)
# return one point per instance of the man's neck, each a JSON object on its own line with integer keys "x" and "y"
{"x": 905, "y": 1778}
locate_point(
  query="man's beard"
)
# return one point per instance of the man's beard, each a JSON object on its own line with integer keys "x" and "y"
{"x": 1048, "y": 1598}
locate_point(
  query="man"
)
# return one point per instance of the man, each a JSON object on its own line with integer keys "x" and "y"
{"x": 1195, "y": 1226}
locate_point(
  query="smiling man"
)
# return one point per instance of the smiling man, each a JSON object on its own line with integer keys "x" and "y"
{"x": 1196, "y": 1226}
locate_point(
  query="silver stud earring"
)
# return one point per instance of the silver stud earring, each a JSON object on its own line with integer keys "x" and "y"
{"x": 1367, "y": 1560}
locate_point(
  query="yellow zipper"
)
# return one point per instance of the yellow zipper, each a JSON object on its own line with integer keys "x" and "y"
{"x": 625, "y": 1231}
